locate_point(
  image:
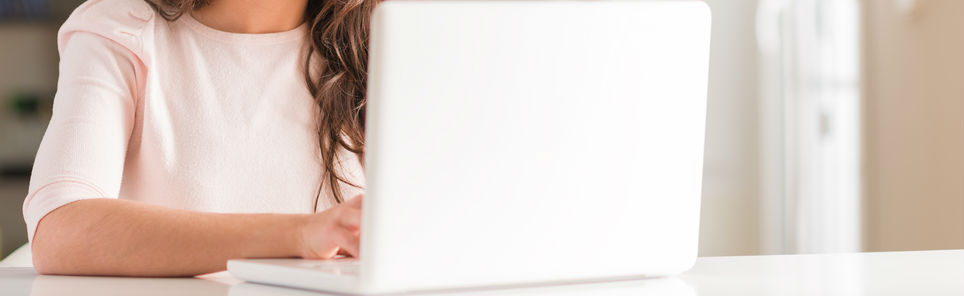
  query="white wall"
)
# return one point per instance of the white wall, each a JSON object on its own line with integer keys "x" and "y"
{"x": 914, "y": 126}
{"x": 730, "y": 209}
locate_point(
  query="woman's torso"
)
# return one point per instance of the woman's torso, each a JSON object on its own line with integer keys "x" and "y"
{"x": 225, "y": 123}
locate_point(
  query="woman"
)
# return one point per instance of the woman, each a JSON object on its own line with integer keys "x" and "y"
{"x": 189, "y": 132}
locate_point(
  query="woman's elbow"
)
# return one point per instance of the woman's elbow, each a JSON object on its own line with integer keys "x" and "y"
{"x": 45, "y": 266}
{"x": 47, "y": 258}
{"x": 49, "y": 254}
{"x": 52, "y": 241}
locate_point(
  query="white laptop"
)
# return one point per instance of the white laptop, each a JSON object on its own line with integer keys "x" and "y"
{"x": 518, "y": 142}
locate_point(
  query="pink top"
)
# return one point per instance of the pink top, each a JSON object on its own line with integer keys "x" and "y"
{"x": 180, "y": 115}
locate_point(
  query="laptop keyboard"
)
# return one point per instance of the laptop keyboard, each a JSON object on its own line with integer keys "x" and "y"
{"x": 339, "y": 266}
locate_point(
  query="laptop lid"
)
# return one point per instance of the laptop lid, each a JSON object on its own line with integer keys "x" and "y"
{"x": 526, "y": 141}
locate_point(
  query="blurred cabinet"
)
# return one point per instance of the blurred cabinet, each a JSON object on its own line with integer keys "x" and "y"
{"x": 12, "y": 227}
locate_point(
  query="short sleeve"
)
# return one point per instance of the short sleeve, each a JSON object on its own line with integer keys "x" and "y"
{"x": 83, "y": 150}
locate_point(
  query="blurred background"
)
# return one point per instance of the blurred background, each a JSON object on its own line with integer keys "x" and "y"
{"x": 833, "y": 125}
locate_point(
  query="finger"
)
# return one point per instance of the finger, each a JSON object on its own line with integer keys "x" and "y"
{"x": 342, "y": 252}
{"x": 321, "y": 252}
{"x": 347, "y": 242}
{"x": 323, "y": 249}
{"x": 328, "y": 254}
{"x": 350, "y": 218}
{"x": 355, "y": 202}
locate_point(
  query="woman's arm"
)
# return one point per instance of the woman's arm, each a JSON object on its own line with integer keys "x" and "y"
{"x": 127, "y": 238}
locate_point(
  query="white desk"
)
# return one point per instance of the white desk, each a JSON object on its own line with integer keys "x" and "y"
{"x": 898, "y": 273}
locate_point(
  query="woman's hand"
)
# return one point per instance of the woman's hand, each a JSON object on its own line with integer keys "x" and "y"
{"x": 332, "y": 232}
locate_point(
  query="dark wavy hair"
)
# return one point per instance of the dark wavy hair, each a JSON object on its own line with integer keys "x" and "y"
{"x": 338, "y": 35}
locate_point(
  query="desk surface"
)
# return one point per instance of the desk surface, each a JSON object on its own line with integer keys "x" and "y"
{"x": 893, "y": 273}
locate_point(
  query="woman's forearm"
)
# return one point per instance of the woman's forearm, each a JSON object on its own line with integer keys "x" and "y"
{"x": 126, "y": 238}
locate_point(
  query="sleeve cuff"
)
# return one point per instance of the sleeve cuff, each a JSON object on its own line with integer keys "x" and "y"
{"x": 52, "y": 196}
